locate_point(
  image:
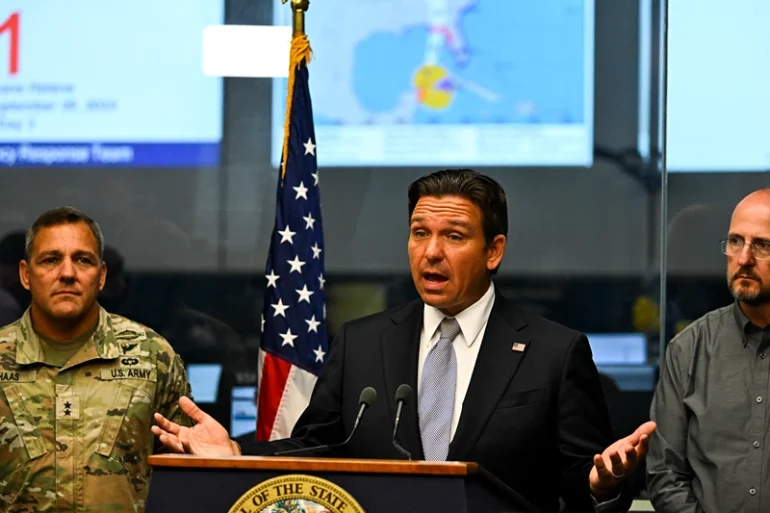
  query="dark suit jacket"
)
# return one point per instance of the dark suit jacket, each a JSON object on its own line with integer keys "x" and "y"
{"x": 534, "y": 418}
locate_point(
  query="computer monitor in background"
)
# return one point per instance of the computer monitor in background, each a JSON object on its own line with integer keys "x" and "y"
{"x": 623, "y": 357}
{"x": 225, "y": 382}
{"x": 243, "y": 413}
{"x": 204, "y": 381}
{"x": 618, "y": 348}
{"x": 454, "y": 83}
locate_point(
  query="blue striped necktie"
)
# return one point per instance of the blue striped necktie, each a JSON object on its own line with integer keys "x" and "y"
{"x": 436, "y": 401}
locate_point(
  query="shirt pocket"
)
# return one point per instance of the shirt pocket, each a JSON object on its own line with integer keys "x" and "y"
{"x": 20, "y": 443}
{"x": 128, "y": 414}
{"x": 19, "y": 433}
{"x": 117, "y": 469}
{"x": 126, "y": 433}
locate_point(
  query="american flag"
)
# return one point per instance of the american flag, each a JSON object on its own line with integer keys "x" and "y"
{"x": 294, "y": 344}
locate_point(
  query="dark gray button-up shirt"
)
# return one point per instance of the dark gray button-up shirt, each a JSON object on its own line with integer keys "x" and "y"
{"x": 711, "y": 405}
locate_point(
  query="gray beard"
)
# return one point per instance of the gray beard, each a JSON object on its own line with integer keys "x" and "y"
{"x": 749, "y": 297}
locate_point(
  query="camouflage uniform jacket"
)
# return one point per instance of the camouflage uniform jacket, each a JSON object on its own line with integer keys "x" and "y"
{"x": 77, "y": 438}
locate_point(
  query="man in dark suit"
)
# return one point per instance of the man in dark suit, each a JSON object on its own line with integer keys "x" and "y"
{"x": 512, "y": 391}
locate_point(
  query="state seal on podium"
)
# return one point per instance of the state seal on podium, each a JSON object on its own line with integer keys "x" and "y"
{"x": 296, "y": 493}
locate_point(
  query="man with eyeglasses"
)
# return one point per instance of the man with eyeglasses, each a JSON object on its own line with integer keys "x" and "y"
{"x": 711, "y": 403}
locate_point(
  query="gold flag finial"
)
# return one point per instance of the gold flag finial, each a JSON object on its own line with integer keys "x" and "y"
{"x": 298, "y": 8}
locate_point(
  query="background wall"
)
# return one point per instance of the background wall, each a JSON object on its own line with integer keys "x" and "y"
{"x": 220, "y": 219}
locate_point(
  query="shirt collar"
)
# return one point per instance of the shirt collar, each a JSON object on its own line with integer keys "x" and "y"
{"x": 471, "y": 320}
{"x": 28, "y": 343}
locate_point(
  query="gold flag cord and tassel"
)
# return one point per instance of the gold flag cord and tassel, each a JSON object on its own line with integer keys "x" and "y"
{"x": 300, "y": 52}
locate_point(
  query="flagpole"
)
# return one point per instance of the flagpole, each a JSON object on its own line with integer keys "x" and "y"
{"x": 300, "y": 54}
{"x": 298, "y": 8}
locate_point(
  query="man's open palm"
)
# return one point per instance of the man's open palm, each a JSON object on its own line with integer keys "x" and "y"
{"x": 206, "y": 438}
{"x": 618, "y": 461}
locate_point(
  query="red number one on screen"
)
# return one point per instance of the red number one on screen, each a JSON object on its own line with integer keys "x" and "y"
{"x": 11, "y": 25}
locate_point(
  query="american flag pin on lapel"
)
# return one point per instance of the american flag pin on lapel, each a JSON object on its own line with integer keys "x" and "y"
{"x": 518, "y": 347}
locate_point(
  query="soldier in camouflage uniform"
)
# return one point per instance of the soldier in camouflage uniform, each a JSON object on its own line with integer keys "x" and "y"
{"x": 78, "y": 386}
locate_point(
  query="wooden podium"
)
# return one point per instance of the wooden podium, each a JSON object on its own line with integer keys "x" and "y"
{"x": 214, "y": 485}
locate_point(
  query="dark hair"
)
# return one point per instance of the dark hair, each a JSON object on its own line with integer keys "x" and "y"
{"x": 59, "y": 216}
{"x": 479, "y": 189}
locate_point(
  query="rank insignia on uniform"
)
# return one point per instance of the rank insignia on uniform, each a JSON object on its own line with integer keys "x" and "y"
{"x": 67, "y": 407}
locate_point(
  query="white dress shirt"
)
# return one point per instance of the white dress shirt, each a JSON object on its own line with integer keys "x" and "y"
{"x": 473, "y": 324}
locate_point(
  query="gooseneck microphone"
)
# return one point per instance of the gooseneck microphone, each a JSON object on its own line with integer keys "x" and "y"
{"x": 367, "y": 398}
{"x": 402, "y": 394}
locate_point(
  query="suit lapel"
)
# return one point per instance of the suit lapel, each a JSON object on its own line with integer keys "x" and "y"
{"x": 399, "y": 347}
{"x": 496, "y": 364}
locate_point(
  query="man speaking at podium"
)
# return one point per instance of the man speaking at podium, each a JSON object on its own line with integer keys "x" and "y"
{"x": 514, "y": 392}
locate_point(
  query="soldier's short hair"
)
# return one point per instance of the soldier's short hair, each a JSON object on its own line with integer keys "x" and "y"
{"x": 59, "y": 216}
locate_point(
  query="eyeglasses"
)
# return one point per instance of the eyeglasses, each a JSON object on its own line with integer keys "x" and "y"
{"x": 733, "y": 246}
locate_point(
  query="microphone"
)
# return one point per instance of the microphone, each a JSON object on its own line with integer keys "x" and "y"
{"x": 367, "y": 398}
{"x": 402, "y": 394}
